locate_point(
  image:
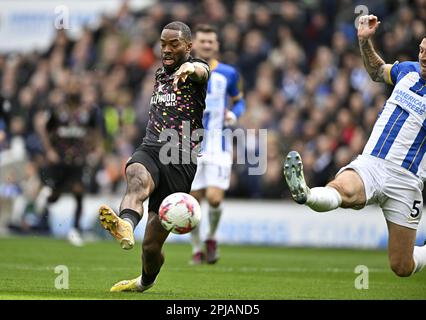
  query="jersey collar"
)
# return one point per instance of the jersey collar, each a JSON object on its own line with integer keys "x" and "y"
{"x": 213, "y": 63}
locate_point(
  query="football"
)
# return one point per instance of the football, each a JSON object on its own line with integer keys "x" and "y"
{"x": 180, "y": 213}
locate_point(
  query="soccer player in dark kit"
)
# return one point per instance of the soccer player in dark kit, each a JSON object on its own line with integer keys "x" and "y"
{"x": 178, "y": 99}
{"x": 68, "y": 133}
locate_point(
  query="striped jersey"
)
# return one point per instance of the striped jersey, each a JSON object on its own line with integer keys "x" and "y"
{"x": 399, "y": 134}
{"x": 222, "y": 85}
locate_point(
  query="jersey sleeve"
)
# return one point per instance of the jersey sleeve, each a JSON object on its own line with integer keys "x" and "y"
{"x": 234, "y": 90}
{"x": 234, "y": 84}
{"x": 206, "y": 65}
{"x": 399, "y": 70}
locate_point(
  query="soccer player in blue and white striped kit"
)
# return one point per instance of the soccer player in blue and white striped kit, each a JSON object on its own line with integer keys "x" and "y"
{"x": 392, "y": 168}
{"x": 224, "y": 105}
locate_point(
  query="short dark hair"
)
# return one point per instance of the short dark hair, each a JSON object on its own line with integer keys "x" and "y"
{"x": 180, "y": 26}
{"x": 205, "y": 28}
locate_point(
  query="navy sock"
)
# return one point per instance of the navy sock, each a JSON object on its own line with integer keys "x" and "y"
{"x": 130, "y": 215}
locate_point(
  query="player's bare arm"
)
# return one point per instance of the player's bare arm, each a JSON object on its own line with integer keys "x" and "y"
{"x": 374, "y": 64}
{"x": 194, "y": 70}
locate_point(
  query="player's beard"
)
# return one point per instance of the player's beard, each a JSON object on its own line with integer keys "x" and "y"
{"x": 179, "y": 61}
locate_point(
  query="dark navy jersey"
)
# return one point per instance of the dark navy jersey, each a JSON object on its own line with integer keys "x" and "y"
{"x": 69, "y": 129}
{"x": 180, "y": 110}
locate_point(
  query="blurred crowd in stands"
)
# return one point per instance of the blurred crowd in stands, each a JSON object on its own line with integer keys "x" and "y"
{"x": 304, "y": 82}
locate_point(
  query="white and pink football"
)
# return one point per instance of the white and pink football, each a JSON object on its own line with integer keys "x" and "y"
{"x": 180, "y": 213}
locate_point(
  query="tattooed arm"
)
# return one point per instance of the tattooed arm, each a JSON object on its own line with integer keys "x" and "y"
{"x": 375, "y": 66}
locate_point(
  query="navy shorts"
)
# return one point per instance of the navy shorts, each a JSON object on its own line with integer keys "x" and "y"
{"x": 168, "y": 178}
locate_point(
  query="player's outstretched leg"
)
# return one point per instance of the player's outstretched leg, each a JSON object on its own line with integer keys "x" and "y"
{"x": 139, "y": 187}
{"x": 120, "y": 229}
{"x": 326, "y": 198}
{"x": 152, "y": 258}
{"x": 293, "y": 173}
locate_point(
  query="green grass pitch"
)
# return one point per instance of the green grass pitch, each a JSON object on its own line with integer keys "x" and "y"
{"x": 27, "y": 271}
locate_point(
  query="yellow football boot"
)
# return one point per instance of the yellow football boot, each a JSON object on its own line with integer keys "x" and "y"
{"x": 120, "y": 229}
{"x": 133, "y": 285}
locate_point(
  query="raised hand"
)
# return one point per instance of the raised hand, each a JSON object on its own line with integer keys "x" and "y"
{"x": 182, "y": 73}
{"x": 230, "y": 118}
{"x": 367, "y": 26}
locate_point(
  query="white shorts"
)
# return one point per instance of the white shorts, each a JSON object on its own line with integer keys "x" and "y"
{"x": 213, "y": 170}
{"x": 396, "y": 190}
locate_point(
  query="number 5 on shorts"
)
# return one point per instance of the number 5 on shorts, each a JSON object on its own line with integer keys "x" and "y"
{"x": 416, "y": 209}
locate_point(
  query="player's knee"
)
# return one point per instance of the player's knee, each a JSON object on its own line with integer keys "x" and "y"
{"x": 401, "y": 268}
{"x": 137, "y": 180}
{"x": 214, "y": 199}
{"x": 347, "y": 193}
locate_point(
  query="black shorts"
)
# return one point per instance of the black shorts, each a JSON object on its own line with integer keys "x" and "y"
{"x": 168, "y": 178}
{"x": 61, "y": 177}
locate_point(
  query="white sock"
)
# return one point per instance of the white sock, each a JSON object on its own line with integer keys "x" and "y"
{"x": 419, "y": 256}
{"x": 139, "y": 283}
{"x": 323, "y": 199}
{"x": 195, "y": 240}
{"x": 214, "y": 218}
